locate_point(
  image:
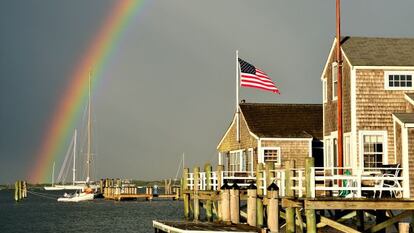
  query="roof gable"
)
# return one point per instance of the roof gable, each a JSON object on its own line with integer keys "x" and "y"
{"x": 374, "y": 51}
{"x": 283, "y": 120}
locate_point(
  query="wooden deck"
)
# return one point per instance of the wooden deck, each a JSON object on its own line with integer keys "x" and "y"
{"x": 185, "y": 226}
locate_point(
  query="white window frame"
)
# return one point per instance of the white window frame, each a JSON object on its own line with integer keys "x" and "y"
{"x": 384, "y": 135}
{"x": 347, "y": 150}
{"x": 328, "y": 160}
{"x": 279, "y": 162}
{"x": 386, "y": 80}
{"x": 324, "y": 91}
{"x": 240, "y": 153}
{"x": 334, "y": 74}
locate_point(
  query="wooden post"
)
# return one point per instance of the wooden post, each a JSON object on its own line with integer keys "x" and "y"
{"x": 310, "y": 214}
{"x": 403, "y": 227}
{"x": 290, "y": 211}
{"x": 20, "y": 190}
{"x": 273, "y": 208}
{"x": 235, "y": 203}
{"x": 360, "y": 215}
{"x": 219, "y": 171}
{"x": 225, "y": 202}
{"x": 186, "y": 195}
{"x": 24, "y": 186}
{"x": 259, "y": 203}
{"x": 16, "y": 191}
{"x": 251, "y": 205}
{"x": 196, "y": 204}
{"x": 209, "y": 204}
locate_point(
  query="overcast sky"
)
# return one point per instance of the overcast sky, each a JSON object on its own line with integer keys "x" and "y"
{"x": 169, "y": 86}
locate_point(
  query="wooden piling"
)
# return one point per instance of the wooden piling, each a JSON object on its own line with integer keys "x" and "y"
{"x": 196, "y": 204}
{"x": 251, "y": 205}
{"x": 260, "y": 192}
{"x": 403, "y": 227}
{"x": 209, "y": 204}
{"x": 225, "y": 203}
{"x": 290, "y": 211}
{"x": 273, "y": 208}
{"x": 310, "y": 214}
{"x": 16, "y": 191}
{"x": 186, "y": 195}
{"x": 220, "y": 169}
{"x": 235, "y": 204}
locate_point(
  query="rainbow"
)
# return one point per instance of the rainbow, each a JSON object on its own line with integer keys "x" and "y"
{"x": 73, "y": 100}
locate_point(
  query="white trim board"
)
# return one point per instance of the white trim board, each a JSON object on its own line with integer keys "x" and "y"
{"x": 411, "y": 101}
{"x": 228, "y": 130}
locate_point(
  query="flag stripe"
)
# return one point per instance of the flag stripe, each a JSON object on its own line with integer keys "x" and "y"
{"x": 250, "y": 80}
{"x": 251, "y": 76}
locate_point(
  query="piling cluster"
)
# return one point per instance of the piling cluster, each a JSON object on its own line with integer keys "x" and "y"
{"x": 20, "y": 190}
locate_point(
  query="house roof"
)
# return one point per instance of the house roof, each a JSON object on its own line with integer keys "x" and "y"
{"x": 372, "y": 51}
{"x": 283, "y": 120}
{"x": 410, "y": 96}
{"x": 405, "y": 118}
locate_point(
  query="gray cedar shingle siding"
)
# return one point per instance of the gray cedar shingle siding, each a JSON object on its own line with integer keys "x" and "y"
{"x": 370, "y": 51}
{"x": 284, "y": 120}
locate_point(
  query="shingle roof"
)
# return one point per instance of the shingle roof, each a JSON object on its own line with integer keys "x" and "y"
{"x": 371, "y": 51}
{"x": 405, "y": 118}
{"x": 284, "y": 120}
{"x": 410, "y": 95}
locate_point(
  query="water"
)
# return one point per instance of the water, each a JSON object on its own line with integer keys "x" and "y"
{"x": 38, "y": 214}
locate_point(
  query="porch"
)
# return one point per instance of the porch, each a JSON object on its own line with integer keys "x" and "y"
{"x": 347, "y": 182}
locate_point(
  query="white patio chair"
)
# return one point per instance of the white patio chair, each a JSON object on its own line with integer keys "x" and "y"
{"x": 391, "y": 182}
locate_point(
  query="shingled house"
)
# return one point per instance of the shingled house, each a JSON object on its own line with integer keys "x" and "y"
{"x": 271, "y": 133}
{"x": 378, "y": 99}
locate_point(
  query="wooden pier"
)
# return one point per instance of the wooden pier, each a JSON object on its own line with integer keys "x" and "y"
{"x": 300, "y": 206}
{"x": 183, "y": 227}
{"x": 114, "y": 189}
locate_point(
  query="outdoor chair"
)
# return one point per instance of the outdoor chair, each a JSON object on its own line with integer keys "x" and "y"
{"x": 392, "y": 181}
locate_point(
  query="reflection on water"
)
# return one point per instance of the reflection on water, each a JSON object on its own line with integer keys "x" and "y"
{"x": 39, "y": 214}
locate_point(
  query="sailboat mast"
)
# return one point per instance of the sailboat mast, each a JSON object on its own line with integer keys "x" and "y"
{"x": 53, "y": 174}
{"x": 74, "y": 156}
{"x": 88, "y": 159}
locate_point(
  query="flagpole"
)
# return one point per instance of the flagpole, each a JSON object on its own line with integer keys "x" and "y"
{"x": 237, "y": 98}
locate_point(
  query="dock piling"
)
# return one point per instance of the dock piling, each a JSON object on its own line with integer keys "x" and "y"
{"x": 251, "y": 205}
{"x": 290, "y": 211}
{"x": 209, "y": 204}
{"x": 235, "y": 203}
{"x": 186, "y": 195}
{"x": 310, "y": 214}
{"x": 225, "y": 202}
{"x": 273, "y": 208}
{"x": 260, "y": 193}
{"x": 196, "y": 204}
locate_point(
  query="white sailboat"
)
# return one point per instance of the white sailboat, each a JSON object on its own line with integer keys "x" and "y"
{"x": 87, "y": 191}
{"x": 53, "y": 187}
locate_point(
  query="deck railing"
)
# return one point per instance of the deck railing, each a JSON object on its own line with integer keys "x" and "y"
{"x": 324, "y": 181}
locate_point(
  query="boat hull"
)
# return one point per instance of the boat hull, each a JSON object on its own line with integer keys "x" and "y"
{"x": 77, "y": 198}
{"x": 52, "y": 188}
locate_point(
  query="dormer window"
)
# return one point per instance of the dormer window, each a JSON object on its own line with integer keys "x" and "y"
{"x": 398, "y": 80}
{"x": 334, "y": 80}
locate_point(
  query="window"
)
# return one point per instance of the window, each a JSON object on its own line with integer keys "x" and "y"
{"x": 248, "y": 160}
{"x": 334, "y": 80}
{"x": 328, "y": 153}
{"x": 271, "y": 154}
{"x": 347, "y": 151}
{"x": 373, "y": 150}
{"x": 398, "y": 80}
{"x": 324, "y": 91}
{"x": 235, "y": 160}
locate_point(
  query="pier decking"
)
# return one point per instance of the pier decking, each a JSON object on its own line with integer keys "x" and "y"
{"x": 191, "y": 227}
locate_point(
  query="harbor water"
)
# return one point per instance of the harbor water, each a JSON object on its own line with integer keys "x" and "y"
{"x": 45, "y": 214}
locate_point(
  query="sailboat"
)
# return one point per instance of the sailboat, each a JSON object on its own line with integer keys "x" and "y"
{"x": 53, "y": 187}
{"x": 87, "y": 192}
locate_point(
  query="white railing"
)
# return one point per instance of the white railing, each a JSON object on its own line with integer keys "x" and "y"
{"x": 323, "y": 180}
{"x": 357, "y": 182}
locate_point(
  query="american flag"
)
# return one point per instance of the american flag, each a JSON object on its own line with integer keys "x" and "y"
{"x": 251, "y": 76}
